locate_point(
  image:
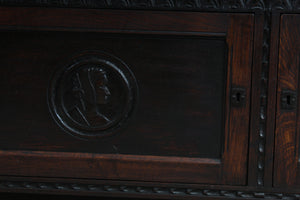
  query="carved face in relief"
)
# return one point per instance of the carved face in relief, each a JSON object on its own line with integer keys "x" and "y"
{"x": 90, "y": 89}
{"x": 93, "y": 95}
{"x": 101, "y": 90}
{"x": 91, "y": 84}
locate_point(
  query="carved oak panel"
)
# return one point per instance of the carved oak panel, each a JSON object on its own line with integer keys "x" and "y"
{"x": 163, "y": 101}
{"x": 182, "y": 88}
{"x": 287, "y": 149}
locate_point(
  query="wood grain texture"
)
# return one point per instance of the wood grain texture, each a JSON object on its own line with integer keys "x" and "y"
{"x": 109, "y": 21}
{"x": 287, "y": 121}
{"x": 238, "y": 28}
{"x": 238, "y": 124}
{"x": 271, "y": 111}
{"x": 255, "y": 158}
{"x": 162, "y": 123}
{"x": 281, "y": 5}
{"x": 108, "y": 166}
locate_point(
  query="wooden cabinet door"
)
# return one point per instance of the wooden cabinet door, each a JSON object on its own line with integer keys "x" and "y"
{"x": 287, "y": 162}
{"x": 125, "y": 95}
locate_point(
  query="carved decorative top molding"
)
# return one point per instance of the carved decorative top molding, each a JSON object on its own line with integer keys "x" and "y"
{"x": 285, "y": 4}
{"x": 148, "y": 4}
{"x": 218, "y": 5}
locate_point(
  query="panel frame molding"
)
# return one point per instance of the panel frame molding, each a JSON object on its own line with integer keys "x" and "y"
{"x": 268, "y": 7}
{"x": 230, "y": 169}
{"x": 286, "y": 160}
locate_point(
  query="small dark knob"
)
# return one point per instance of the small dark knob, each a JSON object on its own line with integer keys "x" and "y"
{"x": 288, "y": 100}
{"x": 238, "y": 96}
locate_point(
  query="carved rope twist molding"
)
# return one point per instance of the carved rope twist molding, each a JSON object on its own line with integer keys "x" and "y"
{"x": 102, "y": 188}
{"x": 263, "y": 101}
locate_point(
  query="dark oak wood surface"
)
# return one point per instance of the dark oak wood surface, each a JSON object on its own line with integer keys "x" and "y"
{"x": 272, "y": 93}
{"x": 155, "y": 145}
{"x": 181, "y": 80}
{"x": 118, "y": 20}
{"x": 286, "y": 167}
{"x": 253, "y": 172}
{"x": 176, "y": 57}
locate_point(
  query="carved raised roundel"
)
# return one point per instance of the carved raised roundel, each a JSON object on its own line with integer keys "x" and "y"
{"x": 93, "y": 96}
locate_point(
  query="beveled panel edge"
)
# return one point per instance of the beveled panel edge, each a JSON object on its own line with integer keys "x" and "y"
{"x": 110, "y": 167}
{"x": 166, "y": 159}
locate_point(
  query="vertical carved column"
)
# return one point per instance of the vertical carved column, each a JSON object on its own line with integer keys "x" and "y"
{"x": 263, "y": 100}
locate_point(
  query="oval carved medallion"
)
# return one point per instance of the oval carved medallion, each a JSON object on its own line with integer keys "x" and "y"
{"x": 93, "y": 96}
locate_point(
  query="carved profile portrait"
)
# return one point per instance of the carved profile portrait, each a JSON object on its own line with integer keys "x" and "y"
{"x": 92, "y": 96}
{"x": 90, "y": 92}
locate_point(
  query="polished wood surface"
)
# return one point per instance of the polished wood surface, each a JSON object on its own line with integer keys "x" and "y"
{"x": 208, "y": 110}
{"x": 181, "y": 80}
{"x": 287, "y": 118}
{"x": 193, "y": 72}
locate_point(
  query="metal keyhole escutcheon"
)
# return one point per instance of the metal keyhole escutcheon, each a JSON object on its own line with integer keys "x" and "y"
{"x": 238, "y": 96}
{"x": 288, "y": 100}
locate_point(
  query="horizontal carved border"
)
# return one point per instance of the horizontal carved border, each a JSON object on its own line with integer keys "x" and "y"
{"x": 219, "y": 5}
{"x": 144, "y": 190}
{"x": 147, "y": 4}
{"x": 291, "y": 5}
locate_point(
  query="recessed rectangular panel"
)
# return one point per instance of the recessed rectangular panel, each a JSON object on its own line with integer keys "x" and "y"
{"x": 178, "y": 107}
{"x": 287, "y": 162}
{"x": 131, "y": 95}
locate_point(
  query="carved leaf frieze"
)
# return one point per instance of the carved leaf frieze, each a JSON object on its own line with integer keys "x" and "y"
{"x": 225, "y": 5}
{"x": 285, "y": 4}
{"x": 158, "y": 4}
